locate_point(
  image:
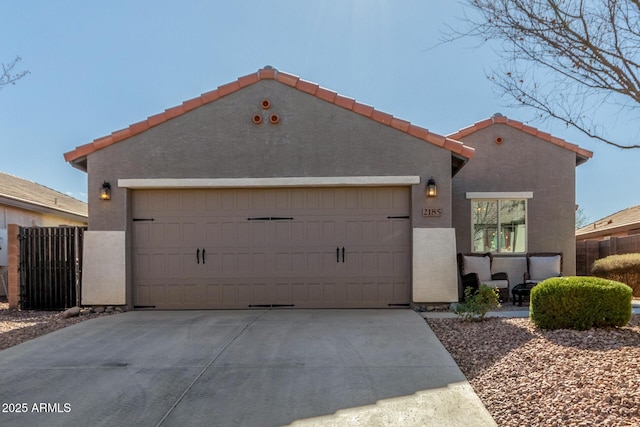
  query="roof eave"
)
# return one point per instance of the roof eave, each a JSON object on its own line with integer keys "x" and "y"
{"x": 35, "y": 207}
{"x": 80, "y": 163}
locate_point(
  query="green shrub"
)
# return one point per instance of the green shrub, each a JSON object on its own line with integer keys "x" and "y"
{"x": 622, "y": 268}
{"x": 477, "y": 304}
{"x": 580, "y": 303}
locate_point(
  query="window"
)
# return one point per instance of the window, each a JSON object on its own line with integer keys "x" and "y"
{"x": 499, "y": 225}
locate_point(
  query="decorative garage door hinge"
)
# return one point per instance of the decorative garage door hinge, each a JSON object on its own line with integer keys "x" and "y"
{"x": 270, "y": 305}
{"x": 143, "y": 219}
{"x": 270, "y": 218}
{"x": 398, "y": 217}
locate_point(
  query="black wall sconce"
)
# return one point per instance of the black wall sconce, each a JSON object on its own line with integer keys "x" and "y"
{"x": 105, "y": 191}
{"x": 432, "y": 189}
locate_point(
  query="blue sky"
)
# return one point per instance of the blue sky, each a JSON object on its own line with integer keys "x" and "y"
{"x": 96, "y": 67}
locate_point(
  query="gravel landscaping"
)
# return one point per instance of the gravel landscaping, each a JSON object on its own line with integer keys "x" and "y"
{"x": 19, "y": 326}
{"x": 531, "y": 377}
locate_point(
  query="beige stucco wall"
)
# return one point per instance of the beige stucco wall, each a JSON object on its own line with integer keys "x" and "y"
{"x": 314, "y": 138}
{"x": 521, "y": 163}
{"x": 434, "y": 265}
{"x": 514, "y": 266}
{"x": 103, "y": 268}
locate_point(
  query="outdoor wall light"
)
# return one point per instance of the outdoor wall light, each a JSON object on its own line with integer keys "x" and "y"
{"x": 432, "y": 189}
{"x": 105, "y": 191}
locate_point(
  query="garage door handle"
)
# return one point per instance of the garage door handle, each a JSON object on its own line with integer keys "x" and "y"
{"x": 203, "y": 257}
{"x": 198, "y": 255}
{"x": 343, "y": 254}
{"x": 338, "y": 254}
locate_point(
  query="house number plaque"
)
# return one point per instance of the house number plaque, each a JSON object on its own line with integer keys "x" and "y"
{"x": 432, "y": 212}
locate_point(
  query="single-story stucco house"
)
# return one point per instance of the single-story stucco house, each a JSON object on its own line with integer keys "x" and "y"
{"x": 620, "y": 224}
{"x": 29, "y": 204}
{"x": 274, "y": 191}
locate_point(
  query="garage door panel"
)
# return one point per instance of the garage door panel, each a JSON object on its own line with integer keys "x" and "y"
{"x": 295, "y": 261}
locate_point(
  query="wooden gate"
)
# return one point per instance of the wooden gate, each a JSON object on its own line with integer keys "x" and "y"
{"x": 50, "y": 267}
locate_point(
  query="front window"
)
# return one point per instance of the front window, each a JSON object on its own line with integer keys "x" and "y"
{"x": 499, "y": 225}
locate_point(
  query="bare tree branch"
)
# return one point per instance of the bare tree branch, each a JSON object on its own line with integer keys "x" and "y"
{"x": 7, "y": 75}
{"x": 587, "y": 52}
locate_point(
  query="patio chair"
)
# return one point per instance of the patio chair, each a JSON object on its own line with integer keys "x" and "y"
{"x": 475, "y": 269}
{"x": 540, "y": 266}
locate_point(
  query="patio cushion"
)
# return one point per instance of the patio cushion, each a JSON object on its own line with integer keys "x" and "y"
{"x": 544, "y": 267}
{"x": 481, "y": 265}
{"x": 500, "y": 284}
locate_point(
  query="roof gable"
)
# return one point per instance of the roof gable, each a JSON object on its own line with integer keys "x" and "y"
{"x": 77, "y": 157}
{"x": 582, "y": 155}
{"x": 30, "y": 195}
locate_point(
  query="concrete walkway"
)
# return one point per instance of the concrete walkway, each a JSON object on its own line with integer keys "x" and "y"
{"x": 239, "y": 368}
{"x": 518, "y": 312}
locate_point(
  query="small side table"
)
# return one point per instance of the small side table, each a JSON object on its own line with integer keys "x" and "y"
{"x": 521, "y": 290}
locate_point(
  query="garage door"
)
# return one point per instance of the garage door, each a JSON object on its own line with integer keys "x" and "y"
{"x": 294, "y": 247}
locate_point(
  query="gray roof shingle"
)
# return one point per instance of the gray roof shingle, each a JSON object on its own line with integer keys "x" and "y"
{"x": 28, "y": 192}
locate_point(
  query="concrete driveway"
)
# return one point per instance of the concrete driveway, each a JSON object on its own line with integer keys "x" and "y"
{"x": 238, "y": 368}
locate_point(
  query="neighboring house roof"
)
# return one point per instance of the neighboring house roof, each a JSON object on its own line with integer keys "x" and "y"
{"x": 78, "y": 156}
{"x": 625, "y": 221}
{"x": 32, "y": 196}
{"x": 582, "y": 155}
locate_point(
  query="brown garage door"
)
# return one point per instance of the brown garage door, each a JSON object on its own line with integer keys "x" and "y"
{"x": 241, "y": 248}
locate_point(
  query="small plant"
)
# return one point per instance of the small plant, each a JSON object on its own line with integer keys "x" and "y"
{"x": 580, "y": 303}
{"x": 478, "y": 303}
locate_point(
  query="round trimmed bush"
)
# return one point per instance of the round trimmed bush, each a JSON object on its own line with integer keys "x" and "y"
{"x": 580, "y": 303}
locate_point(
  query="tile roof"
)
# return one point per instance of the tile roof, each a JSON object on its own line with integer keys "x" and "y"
{"x": 28, "y": 194}
{"x": 620, "y": 221}
{"x": 582, "y": 155}
{"x": 268, "y": 73}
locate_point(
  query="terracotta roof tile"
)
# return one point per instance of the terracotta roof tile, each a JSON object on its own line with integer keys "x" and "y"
{"x": 344, "y": 102}
{"x": 172, "y": 112}
{"x": 248, "y": 80}
{"x": 454, "y": 146}
{"x": 381, "y": 117}
{"x": 400, "y": 124}
{"x": 210, "y": 96}
{"x": 228, "y": 88}
{"x": 269, "y": 73}
{"x": 156, "y": 119}
{"x": 362, "y": 109}
{"x": 583, "y": 155}
{"x": 286, "y": 78}
{"x": 326, "y": 94}
{"x": 101, "y": 142}
{"x": 139, "y": 127}
{"x": 418, "y": 132}
{"x": 121, "y": 134}
{"x": 308, "y": 87}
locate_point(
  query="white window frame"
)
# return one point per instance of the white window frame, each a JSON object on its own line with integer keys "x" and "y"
{"x": 498, "y": 196}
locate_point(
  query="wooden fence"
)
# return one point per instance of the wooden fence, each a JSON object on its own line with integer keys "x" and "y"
{"x": 50, "y": 267}
{"x": 587, "y": 251}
